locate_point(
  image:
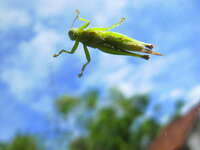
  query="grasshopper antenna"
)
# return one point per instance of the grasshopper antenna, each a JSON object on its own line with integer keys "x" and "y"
{"x": 77, "y": 16}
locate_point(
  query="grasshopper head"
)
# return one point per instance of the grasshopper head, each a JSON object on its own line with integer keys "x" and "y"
{"x": 73, "y": 34}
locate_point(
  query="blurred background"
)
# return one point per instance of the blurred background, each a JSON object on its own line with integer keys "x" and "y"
{"x": 117, "y": 105}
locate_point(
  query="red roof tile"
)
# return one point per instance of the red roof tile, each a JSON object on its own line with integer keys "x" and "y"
{"x": 175, "y": 134}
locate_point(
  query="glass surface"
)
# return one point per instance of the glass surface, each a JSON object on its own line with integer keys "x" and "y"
{"x": 121, "y": 102}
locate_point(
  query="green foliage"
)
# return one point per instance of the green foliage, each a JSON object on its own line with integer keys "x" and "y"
{"x": 120, "y": 126}
{"x": 21, "y": 142}
{"x": 65, "y": 104}
{"x": 112, "y": 122}
{"x": 178, "y": 105}
{"x": 79, "y": 144}
{"x": 3, "y": 146}
{"x": 91, "y": 98}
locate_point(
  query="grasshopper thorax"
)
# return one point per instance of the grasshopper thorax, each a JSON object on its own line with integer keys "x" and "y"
{"x": 73, "y": 34}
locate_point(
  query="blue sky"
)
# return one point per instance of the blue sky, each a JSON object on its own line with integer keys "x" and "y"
{"x": 32, "y": 31}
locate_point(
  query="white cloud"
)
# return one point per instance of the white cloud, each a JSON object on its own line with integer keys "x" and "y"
{"x": 14, "y": 18}
{"x": 176, "y": 94}
{"x": 163, "y": 4}
{"x": 109, "y": 10}
{"x": 192, "y": 97}
{"x": 45, "y": 8}
{"x": 41, "y": 106}
{"x": 18, "y": 81}
{"x": 165, "y": 118}
{"x": 173, "y": 94}
{"x": 194, "y": 94}
{"x": 33, "y": 63}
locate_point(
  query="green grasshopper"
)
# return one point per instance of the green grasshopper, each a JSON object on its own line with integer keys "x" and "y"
{"x": 106, "y": 41}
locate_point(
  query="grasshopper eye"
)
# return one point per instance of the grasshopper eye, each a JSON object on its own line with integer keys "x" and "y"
{"x": 72, "y": 34}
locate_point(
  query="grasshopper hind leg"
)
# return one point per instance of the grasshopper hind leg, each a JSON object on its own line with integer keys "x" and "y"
{"x": 116, "y": 51}
{"x": 111, "y": 27}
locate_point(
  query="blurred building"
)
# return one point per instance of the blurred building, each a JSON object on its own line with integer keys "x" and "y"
{"x": 180, "y": 134}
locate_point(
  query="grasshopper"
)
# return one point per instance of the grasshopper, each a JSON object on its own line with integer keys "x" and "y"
{"x": 106, "y": 41}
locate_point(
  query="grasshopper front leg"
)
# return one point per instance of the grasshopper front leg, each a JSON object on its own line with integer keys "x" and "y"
{"x": 74, "y": 48}
{"x": 87, "y": 54}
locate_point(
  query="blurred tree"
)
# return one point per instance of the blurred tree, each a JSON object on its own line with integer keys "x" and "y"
{"x": 91, "y": 98}
{"x": 114, "y": 122}
{"x": 3, "y": 146}
{"x": 118, "y": 126}
{"x": 65, "y": 104}
{"x": 21, "y": 142}
{"x": 122, "y": 124}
